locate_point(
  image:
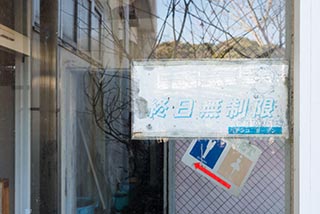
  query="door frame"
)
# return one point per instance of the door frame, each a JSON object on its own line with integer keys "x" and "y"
{"x": 22, "y": 135}
{"x": 19, "y": 44}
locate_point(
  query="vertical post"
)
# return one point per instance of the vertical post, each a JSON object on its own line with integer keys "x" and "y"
{"x": 289, "y": 145}
{"x": 307, "y": 105}
{"x": 48, "y": 107}
{"x": 172, "y": 177}
{"x": 165, "y": 178}
{"x": 124, "y": 82}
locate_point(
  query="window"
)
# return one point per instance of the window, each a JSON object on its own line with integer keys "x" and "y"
{"x": 96, "y": 34}
{"x": 84, "y": 24}
{"x": 6, "y": 13}
{"x": 69, "y": 24}
{"x": 36, "y": 13}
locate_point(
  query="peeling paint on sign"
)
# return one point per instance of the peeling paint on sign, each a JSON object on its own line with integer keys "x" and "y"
{"x": 217, "y": 98}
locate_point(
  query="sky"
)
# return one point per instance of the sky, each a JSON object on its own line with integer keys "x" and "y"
{"x": 232, "y": 16}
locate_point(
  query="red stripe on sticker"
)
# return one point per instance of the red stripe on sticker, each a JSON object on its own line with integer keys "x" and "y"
{"x": 212, "y": 175}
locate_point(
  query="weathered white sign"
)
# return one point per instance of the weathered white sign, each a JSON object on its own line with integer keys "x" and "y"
{"x": 216, "y": 98}
{"x": 225, "y": 163}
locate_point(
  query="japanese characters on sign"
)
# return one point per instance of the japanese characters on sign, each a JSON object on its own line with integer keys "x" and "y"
{"x": 209, "y": 99}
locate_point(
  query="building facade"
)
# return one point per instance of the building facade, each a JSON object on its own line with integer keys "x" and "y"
{"x": 65, "y": 95}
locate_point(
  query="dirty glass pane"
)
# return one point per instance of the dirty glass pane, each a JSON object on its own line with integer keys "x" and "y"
{"x": 107, "y": 171}
{"x": 79, "y": 56}
{"x": 227, "y": 29}
{"x": 264, "y": 191}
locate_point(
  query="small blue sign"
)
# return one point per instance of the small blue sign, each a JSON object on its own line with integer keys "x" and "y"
{"x": 208, "y": 151}
{"x": 254, "y": 130}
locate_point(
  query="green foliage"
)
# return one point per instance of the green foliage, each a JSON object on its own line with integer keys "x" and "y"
{"x": 232, "y": 48}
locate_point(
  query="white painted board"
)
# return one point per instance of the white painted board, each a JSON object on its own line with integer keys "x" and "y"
{"x": 212, "y": 98}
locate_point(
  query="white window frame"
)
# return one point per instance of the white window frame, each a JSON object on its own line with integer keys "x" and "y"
{"x": 22, "y": 136}
{"x": 306, "y": 106}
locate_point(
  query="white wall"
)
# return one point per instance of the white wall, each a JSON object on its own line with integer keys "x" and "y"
{"x": 307, "y": 106}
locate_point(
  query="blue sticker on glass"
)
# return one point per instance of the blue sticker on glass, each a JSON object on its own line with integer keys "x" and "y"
{"x": 255, "y": 130}
{"x": 208, "y": 151}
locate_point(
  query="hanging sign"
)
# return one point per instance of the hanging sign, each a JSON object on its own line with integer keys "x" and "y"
{"x": 222, "y": 98}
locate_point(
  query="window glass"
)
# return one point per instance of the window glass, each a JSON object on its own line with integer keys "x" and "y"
{"x": 228, "y": 30}
{"x": 36, "y": 12}
{"x": 82, "y": 113}
{"x": 96, "y": 34}
{"x": 149, "y": 176}
{"x": 7, "y": 13}
{"x": 69, "y": 14}
{"x": 84, "y": 24}
{"x": 8, "y": 17}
